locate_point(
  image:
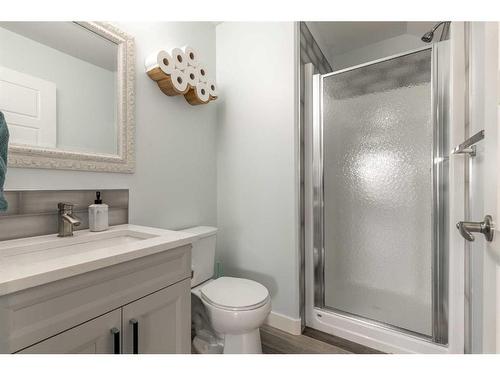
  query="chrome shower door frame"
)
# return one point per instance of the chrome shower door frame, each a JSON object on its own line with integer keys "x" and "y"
{"x": 439, "y": 159}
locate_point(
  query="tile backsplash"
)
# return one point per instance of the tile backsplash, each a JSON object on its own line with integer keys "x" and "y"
{"x": 34, "y": 212}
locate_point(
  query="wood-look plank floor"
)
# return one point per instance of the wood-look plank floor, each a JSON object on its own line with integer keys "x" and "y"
{"x": 275, "y": 341}
{"x": 350, "y": 346}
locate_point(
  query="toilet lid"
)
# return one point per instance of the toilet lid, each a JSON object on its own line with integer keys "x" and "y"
{"x": 235, "y": 294}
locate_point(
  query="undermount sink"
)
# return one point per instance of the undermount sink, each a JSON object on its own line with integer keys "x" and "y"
{"x": 52, "y": 246}
{"x": 28, "y": 262}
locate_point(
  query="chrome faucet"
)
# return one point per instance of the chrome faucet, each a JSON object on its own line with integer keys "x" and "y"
{"x": 66, "y": 219}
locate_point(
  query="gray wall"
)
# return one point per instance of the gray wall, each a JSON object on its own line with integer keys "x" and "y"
{"x": 310, "y": 52}
{"x": 175, "y": 181}
{"x": 384, "y": 48}
{"x": 257, "y": 158}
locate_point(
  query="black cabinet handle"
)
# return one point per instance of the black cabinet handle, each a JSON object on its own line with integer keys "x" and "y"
{"x": 116, "y": 340}
{"x": 135, "y": 336}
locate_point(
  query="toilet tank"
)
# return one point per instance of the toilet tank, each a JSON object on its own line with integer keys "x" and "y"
{"x": 202, "y": 254}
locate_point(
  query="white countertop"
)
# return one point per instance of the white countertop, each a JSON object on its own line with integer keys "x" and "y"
{"x": 33, "y": 261}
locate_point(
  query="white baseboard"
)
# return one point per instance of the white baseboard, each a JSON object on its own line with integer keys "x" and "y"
{"x": 285, "y": 323}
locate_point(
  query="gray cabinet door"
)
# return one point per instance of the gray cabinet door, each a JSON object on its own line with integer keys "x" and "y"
{"x": 159, "y": 323}
{"x": 93, "y": 337}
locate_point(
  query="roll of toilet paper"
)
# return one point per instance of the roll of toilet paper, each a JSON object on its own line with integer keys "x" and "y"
{"x": 158, "y": 64}
{"x": 198, "y": 94}
{"x": 212, "y": 89}
{"x": 179, "y": 58}
{"x": 202, "y": 73}
{"x": 191, "y": 55}
{"x": 202, "y": 91}
{"x": 174, "y": 84}
{"x": 191, "y": 75}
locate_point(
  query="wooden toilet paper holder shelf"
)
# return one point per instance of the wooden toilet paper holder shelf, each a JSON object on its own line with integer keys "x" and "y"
{"x": 193, "y": 93}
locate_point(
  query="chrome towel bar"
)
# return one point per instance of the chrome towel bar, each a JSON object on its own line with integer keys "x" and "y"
{"x": 467, "y": 146}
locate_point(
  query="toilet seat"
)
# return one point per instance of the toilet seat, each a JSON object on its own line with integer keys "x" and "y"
{"x": 235, "y": 294}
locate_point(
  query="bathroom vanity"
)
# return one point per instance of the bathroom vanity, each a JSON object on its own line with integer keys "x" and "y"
{"x": 126, "y": 290}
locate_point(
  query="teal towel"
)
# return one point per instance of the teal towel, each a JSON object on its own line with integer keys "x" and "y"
{"x": 4, "y": 146}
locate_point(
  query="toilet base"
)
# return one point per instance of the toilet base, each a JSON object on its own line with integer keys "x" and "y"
{"x": 245, "y": 343}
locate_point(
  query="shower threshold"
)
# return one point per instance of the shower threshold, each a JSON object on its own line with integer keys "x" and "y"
{"x": 373, "y": 334}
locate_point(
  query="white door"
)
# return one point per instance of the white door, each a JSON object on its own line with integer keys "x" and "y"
{"x": 483, "y": 262}
{"x": 98, "y": 336}
{"x": 159, "y": 323}
{"x": 29, "y": 106}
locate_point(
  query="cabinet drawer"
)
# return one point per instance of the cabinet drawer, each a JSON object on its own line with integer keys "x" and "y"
{"x": 93, "y": 337}
{"x": 32, "y": 315}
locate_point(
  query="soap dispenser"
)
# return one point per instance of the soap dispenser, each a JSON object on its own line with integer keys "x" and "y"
{"x": 98, "y": 215}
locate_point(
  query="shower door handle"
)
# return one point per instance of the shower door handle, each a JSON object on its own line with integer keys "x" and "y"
{"x": 466, "y": 228}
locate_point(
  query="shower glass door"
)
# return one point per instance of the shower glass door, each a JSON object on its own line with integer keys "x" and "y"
{"x": 378, "y": 154}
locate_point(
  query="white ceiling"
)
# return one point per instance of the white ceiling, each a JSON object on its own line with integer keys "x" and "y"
{"x": 71, "y": 39}
{"x": 343, "y": 37}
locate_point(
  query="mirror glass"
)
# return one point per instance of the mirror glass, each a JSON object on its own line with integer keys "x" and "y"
{"x": 58, "y": 87}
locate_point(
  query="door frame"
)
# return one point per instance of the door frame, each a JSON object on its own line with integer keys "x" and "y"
{"x": 483, "y": 312}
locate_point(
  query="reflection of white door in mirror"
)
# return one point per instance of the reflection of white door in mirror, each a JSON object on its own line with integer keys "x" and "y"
{"x": 29, "y": 106}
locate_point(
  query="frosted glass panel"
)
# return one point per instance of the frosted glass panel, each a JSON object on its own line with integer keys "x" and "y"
{"x": 377, "y": 139}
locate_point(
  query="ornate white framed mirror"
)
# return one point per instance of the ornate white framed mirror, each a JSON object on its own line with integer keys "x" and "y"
{"x": 67, "y": 94}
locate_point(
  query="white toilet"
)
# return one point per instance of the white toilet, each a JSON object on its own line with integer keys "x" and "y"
{"x": 235, "y": 307}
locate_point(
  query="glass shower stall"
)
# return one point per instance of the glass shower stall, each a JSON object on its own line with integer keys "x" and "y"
{"x": 376, "y": 199}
